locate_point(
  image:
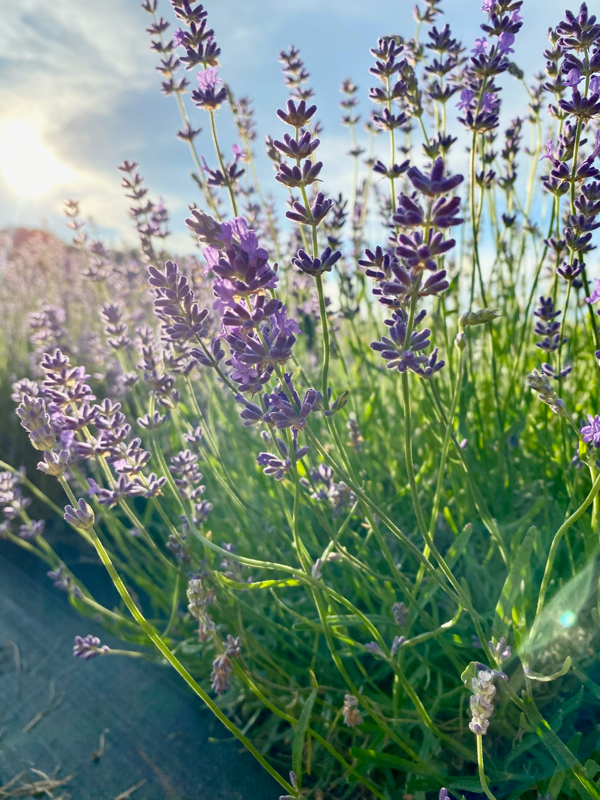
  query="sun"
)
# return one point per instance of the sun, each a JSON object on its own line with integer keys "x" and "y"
{"x": 26, "y": 163}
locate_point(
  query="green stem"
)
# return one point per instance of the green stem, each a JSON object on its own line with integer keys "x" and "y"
{"x": 482, "y": 778}
{"x": 213, "y": 128}
{"x": 326, "y": 342}
{"x": 556, "y": 541}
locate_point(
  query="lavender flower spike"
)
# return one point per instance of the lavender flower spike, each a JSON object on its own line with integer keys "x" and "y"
{"x": 481, "y": 704}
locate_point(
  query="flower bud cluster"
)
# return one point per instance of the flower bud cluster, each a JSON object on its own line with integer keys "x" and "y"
{"x": 199, "y": 598}
{"x": 406, "y": 355}
{"x": 337, "y": 494}
{"x": 150, "y": 218}
{"x": 481, "y": 701}
{"x": 87, "y": 647}
{"x": 13, "y": 505}
{"x": 184, "y": 466}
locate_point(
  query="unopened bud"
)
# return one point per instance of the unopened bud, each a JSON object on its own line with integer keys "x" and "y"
{"x": 460, "y": 342}
{"x": 477, "y": 317}
{"x": 81, "y": 517}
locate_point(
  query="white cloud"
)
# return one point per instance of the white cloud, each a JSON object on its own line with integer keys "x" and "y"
{"x": 68, "y": 67}
{"x": 67, "y": 58}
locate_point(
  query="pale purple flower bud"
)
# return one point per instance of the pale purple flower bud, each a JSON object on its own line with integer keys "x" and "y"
{"x": 81, "y": 517}
{"x": 87, "y": 647}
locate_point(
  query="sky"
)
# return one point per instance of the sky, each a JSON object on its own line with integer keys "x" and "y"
{"x": 79, "y": 93}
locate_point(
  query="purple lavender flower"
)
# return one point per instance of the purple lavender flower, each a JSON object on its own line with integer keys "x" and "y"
{"x": 591, "y": 432}
{"x": 313, "y": 215}
{"x": 419, "y": 253}
{"x": 88, "y": 647}
{"x": 295, "y": 176}
{"x": 206, "y": 95}
{"x": 54, "y": 463}
{"x": 297, "y": 115}
{"x": 278, "y": 466}
{"x": 399, "y": 356}
{"x": 300, "y": 149}
{"x": 316, "y": 266}
{"x": 547, "y": 325}
{"x": 31, "y": 529}
{"x": 595, "y": 294}
{"x": 285, "y": 413}
{"x": 221, "y": 673}
{"x": 60, "y": 578}
{"x": 397, "y": 644}
{"x": 435, "y": 183}
{"x": 571, "y": 271}
{"x": 81, "y": 517}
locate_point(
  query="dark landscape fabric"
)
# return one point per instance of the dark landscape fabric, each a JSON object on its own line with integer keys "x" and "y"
{"x": 55, "y": 710}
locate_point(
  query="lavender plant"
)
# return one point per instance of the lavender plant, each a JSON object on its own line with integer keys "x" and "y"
{"x": 341, "y": 463}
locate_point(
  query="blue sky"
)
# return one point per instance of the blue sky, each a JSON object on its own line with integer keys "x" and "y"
{"x": 81, "y": 74}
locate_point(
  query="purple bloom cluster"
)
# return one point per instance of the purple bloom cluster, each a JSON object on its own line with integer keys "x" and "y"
{"x": 62, "y": 580}
{"x": 479, "y": 100}
{"x": 87, "y": 647}
{"x": 403, "y": 355}
{"x": 399, "y": 273}
{"x": 66, "y": 408}
{"x": 295, "y": 74}
{"x": 150, "y": 218}
{"x": 208, "y": 95}
{"x": 398, "y": 85}
{"x": 279, "y": 464}
{"x": 257, "y": 329}
{"x": 184, "y": 466}
{"x": 591, "y": 431}
{"x": 548, "y": 325}
{"x": 326, "y": 489}
{"x": 442, "y": 70}
{"x": 13, "y": 505}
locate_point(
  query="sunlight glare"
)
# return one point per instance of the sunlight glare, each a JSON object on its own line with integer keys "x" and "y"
{"x": 27, "y": 165}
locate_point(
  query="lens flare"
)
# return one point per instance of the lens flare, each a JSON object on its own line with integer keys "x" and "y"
{"x": 27, "y": 165}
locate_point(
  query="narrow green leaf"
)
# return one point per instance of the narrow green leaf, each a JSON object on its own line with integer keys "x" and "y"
{"x": 513, "y": 585}
{"x": 369, "y": 756}
{"x": 558, "y": 749}
{"x": 592, "y": 768}
{"x": 300, "y": 735}
{"x": 535, "y": 676}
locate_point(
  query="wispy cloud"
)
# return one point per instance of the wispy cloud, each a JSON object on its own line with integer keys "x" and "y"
{"x": 80, "y": 71}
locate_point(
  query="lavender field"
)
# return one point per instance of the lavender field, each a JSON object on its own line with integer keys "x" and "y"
{"x": 330, "y": 423}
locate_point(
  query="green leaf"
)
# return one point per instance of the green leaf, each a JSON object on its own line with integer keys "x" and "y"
{"x": 535, "y": 676}
{"x": 468, "y": 674}
{"x": 513, "y": 586}
{"x": 369, "y": 409}
{"x": 369, "y": 756}
{"x": 589, "y": 684}
{"x": 592, "y": 768}
{"x": 558, "y": 749}
{"x": 300, "y": 735}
